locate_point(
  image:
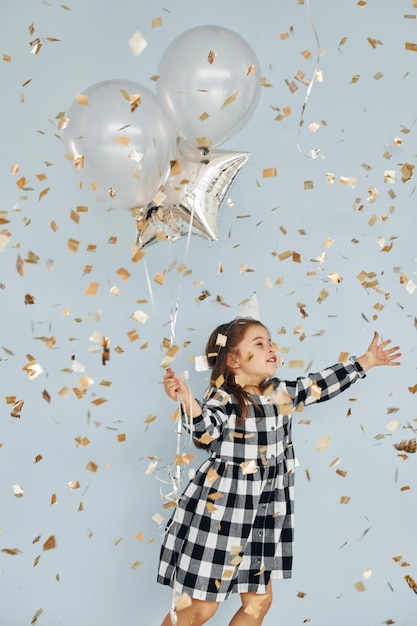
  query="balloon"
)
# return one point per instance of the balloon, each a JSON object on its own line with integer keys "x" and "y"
{"x": 122, "y": 139}
{"x": 157, "y": 224}
{"x": 209, "y": 80}
{"x": 194, "y": 194}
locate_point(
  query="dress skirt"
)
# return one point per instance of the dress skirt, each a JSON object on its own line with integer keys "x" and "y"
{"x": 232, "y": 530}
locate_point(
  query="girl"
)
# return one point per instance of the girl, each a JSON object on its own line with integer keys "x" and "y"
{"x": 232, "y": 530}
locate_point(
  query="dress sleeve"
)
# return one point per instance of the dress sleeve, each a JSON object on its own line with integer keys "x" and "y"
{"x": 216, "y": 409}
{"x": 325, "y": 384}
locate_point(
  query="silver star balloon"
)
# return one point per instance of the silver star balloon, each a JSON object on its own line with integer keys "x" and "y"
{"x": 192, "y": 198}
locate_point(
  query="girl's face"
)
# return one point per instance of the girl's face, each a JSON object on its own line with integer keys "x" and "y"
{"x": 254, "y": 359}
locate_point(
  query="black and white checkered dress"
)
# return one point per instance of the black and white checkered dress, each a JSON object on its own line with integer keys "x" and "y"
{"x": 234, "y": 524}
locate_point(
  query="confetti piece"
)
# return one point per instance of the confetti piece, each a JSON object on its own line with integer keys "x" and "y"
{"x": 409, "y": 446}
{"x": 230, "y": 99}
{"x": 269, "y": 172}
{"x": 17, "y": 409}
{"x": 406, "y": 172}
{"x": 411, "y": 583}
{"x": 50, "y": 543}
{"x": 11, "y": 551}
{"x": 156, "y": 22}
{"x": 35, "y": 617}
{"x": 82, "y": 99}
{"x": 158, "y": 519}
{"x": 18, "y": 491}
{"x": 92, "y": 289}
{"x": 392, "y": 426}
{"x": 323, "y": 443}
{"x": 137, "y": 43}
{"x": 359, "y": 586}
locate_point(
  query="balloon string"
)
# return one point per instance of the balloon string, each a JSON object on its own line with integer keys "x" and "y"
{"x": 312, "y": 154}
{"x": 148, "y": 281}
{"x": 176, "y": 306}
{"x": 177, "y": 482}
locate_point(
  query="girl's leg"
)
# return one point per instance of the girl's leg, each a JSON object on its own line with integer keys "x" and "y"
{"x": 254, "y": 608}
{"x": 199, "y": 612}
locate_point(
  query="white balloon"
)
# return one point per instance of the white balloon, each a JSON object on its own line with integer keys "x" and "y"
{"x": 124, "y": 140}
{"x": 209, "y": 80}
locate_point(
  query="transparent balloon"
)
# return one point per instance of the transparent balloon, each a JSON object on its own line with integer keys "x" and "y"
{"x": 121, "y": 139}
{"x": 209, "y": 80}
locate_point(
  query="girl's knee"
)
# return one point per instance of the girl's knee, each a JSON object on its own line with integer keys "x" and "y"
{"x": 203, "y": 611}
{"x": 256, "y": 604}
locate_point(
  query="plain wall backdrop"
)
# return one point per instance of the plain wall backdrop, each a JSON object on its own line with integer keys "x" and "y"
{"x": 76, "y": 467}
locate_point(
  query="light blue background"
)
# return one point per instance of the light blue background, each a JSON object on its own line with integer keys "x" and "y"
{"x": 88, "y": 578}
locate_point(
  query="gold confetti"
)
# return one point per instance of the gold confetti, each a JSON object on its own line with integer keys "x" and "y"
{"x": 335, "y": 278}
{"x": 169, "y": 356}
{"x": 212, "y": 475}
{"x": 269, "y": 172}
{"x": 407, "y": 172}
{"x": 409, "y": 446}
{"x": 98, "y": 401}
{"x": 82, "y": 99}
{"x": 50, "y": 543}
{"x": 35, "y": 617}
{"x": 137, "y": 43}
{"x": 322, "y": 296}
{"x": 156, "y": 22}
{"x": 92, "y": 289}
{"x": 230, "y": 99}
{"x": 91, "y": 466}
{"x": 411, "y": 583}
{"x": 411, "y": 46}
{"x": 158, "y": 519}
{"x": 43, "y": 193}
{"x": 345, "y": 500}
{"x": 183, "y": 602}
{"x": 22, "y": 182}
{"x": 18, "y": 491}
{"x": 11, "y": 551}
{"x": 17, "y": 408}
{"x": 211, "y": 57}
{"x": 123, "y": 274}
{"x": 73, "y": 245}
{"x": 359, "y": 586}
{"x": 323, "y": 443}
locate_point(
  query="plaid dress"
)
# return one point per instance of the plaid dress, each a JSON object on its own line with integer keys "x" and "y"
{"x": 233, "y": 527}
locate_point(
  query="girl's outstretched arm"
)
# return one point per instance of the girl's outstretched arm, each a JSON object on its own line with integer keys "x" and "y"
{"x": 379, "y": 354}
{"x": 176, "y": 388}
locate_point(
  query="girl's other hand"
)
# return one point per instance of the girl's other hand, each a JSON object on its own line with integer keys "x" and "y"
{"x": 380, "y": 354}
{"x": 174, "y": 385}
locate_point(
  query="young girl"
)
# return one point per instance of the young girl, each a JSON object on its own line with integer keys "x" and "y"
{"x": 232, "y": 530}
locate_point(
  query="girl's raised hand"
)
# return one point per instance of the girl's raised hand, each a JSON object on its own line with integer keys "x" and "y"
{"x": 380, "y": 354}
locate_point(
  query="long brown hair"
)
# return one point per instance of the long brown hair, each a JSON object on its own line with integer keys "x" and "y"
{"x": 224, "y": 340}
